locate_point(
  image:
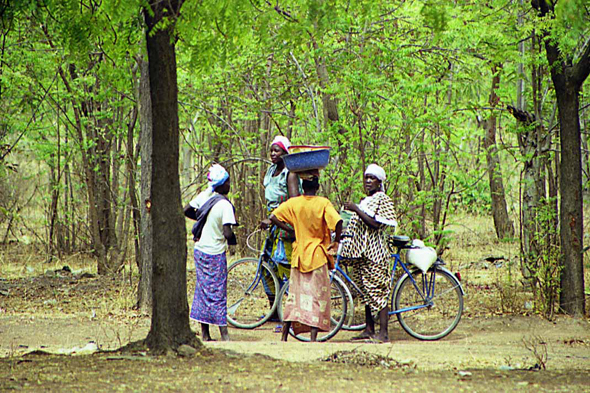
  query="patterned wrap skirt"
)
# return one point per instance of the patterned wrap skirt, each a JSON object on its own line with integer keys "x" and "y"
{"x": 308, "y": 303}
{"x": 210, "y": 300}
{"x": 368, "y": 254}
{"x": 373, "y": 278}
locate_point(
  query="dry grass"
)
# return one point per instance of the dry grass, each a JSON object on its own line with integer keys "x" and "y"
{"x": 494, "y": 287}
{"x": 18, "y": 260}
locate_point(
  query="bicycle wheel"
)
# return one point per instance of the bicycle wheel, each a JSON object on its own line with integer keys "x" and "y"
{"x": 338, "y": 306}
{"x": 355, "y": 310}
{"x": 251, "y": 297}
{"x": 439, "y": 297}
{"x": 356, "y": 320}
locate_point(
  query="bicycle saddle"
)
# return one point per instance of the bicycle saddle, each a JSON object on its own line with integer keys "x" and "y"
{"x": 399, "y": 241}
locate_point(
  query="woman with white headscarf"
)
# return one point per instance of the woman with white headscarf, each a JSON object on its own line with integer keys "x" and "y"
{"x": 214, "y": 215}
{"x": 367, "y": 250}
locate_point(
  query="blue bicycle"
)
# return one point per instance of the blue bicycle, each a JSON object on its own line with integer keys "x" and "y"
{"x": 254, "y": 290}
{"x": 428, "y": 305}
{"x": 252, "y": 286}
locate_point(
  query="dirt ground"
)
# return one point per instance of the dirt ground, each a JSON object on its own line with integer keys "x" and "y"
{"x": 66, "y": 313}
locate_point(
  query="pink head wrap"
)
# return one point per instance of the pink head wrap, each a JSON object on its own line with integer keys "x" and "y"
{"x": 282, "y": 142}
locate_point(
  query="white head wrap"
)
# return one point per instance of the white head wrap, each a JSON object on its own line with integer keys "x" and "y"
{"x": 282, "y": 142}
{"x": 217, "y": 176}
{"x": 376, "y": 171}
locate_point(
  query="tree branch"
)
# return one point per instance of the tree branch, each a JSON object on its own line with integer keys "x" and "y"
{"x": 582, "y": 68}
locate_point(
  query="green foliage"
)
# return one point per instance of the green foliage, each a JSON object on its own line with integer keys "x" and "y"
{"x": 570, "y": 25}
{"x": 435, "y": 15}
{"x": 407, "y": 78}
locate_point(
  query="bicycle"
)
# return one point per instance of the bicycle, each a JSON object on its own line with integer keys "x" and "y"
{"x": 252, "y": 286}
{"x": 428, "y": 305}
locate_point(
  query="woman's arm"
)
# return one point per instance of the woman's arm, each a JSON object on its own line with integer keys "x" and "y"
{"x": 229, "y": 235}
{"x": 281, "y": 224}
{"x": 370, "y": 221}
{"x": 338, "y": 232}
{"x": 333, "y": 247}
{"x": 190, "y": 212}
{"x": 293, "y": 184}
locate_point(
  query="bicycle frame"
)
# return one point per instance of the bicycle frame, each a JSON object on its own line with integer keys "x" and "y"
{"x": 262, "y": 257}
{"x": 265, "y": 256}
{"x": 426, "y": 292}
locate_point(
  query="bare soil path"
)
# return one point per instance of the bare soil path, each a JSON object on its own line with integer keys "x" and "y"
{"x": 68, "y": 314}
{"x": 483, "y": 353}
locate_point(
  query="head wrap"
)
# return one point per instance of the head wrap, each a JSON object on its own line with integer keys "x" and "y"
{"x": 376, "y": 171}
{"x": 282, "y": 142}
{"x": 217, "y": 176}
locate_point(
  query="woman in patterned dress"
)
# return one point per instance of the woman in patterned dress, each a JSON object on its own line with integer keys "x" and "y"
{"x": 367, "y": 250}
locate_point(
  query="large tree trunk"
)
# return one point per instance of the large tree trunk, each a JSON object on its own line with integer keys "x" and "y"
{"x": 503, "y": 224}
{"x": 170, "y": 320}
{"x": 567, "y": 79}
{"x": 571, "y": 298}
{"x": 144, "y": 292}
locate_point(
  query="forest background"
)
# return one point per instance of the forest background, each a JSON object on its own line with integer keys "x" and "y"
{"x": 472, "y": 107}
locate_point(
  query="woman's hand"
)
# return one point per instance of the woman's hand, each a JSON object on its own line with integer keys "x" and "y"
{"x": 353, "y": 207}
{"x": 265, "y": 224}
{"x": 333, "y": 248}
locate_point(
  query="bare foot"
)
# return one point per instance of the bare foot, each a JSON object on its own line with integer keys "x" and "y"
{"x": 285, "y": 334}
{"x": 365, "y": 335}
{"x": 224, "y": 333}
{"x": 381, "y": 338}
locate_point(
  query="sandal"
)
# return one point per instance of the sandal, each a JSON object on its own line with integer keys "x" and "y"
{"x": 278, "y": 329}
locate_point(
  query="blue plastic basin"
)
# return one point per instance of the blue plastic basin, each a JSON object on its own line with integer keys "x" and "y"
{"x": 307, "y": 160}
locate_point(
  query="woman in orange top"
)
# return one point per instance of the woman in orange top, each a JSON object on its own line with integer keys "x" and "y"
{"x": 312, "y": 217}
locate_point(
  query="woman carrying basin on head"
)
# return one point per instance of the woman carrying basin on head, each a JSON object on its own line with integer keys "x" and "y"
{"x": 279, "y": 185}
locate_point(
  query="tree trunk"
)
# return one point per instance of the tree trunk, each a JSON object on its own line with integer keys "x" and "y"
{"x": 54, "y": 182}
{"x": 89, "y": 174}
{"x": 503, "y": 224}
{"x": 567, "y": 79}
{"x": 144, "y": 292}
{"x": 530, "y": 197}
{"x": 585, "y": 153}
{"x": 571, "y": 298}
{"x": 419, "y": 221}
{"x": 132, "y": 184}
{"x": 330, "y": 110}
{"x": 170, "y": 313}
